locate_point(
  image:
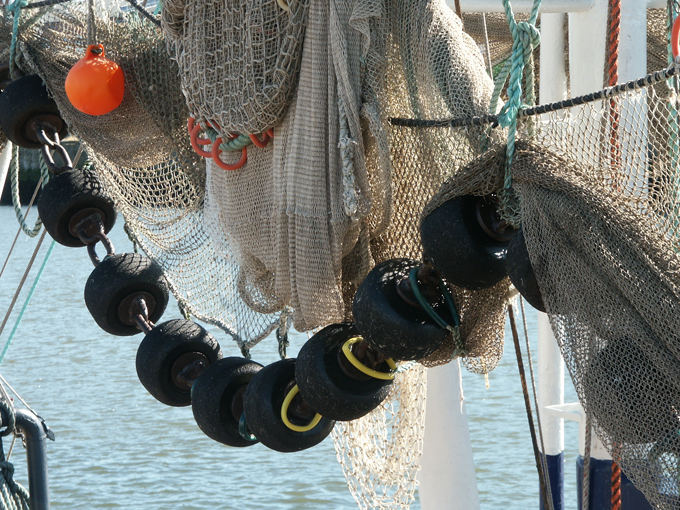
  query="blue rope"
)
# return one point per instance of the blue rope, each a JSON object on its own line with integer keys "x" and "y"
{"x": 525, "y": 37}
{"x": 26, "y": 301}
{"x": 14, "y": 8}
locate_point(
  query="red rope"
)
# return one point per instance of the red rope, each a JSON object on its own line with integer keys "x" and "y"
{"x": 613, "y": 33}
{"x": 616, "y": 486}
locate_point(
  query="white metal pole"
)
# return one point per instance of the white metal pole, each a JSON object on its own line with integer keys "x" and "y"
{"x": 633, "y": 131}
{"x": 552, "y": 87}
{"x": 447, "y": 474}
{"x": 5, "y": 160}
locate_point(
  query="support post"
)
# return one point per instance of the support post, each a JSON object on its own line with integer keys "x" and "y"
{"x": 447, "y": 474}
{"x": 5, "y": 160}
{"x": 552, "y": 87}
{"x": 30, "y": 426}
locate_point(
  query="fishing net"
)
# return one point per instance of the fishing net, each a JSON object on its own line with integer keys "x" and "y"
{"x": 142, "y": 154}
{"x": 380, "y": 468}
{"x": 238, "y": 60}
{"x": 598, "y": 190}
{"x": 337, "y": 189}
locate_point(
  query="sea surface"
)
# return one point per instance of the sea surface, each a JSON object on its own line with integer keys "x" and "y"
{"x": 117, "y": 447}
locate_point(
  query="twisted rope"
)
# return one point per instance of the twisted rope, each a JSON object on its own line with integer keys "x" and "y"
{"x": 15, "y": 9}
{"x": 16, "y": 200}
{"x": 525, "y": 38}
{"x": 616, "y": 486}
{"x": 12, "y": 495}
{"x": 613, "y": 35}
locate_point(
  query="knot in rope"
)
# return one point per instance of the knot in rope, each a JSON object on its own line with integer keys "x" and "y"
{"x": 525, "y": 38}
{"x": 7, "y": 469}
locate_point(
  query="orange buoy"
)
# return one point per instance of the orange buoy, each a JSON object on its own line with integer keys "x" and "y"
{"x": 95, "y": 85}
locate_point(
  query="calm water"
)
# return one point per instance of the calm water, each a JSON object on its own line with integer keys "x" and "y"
{"x": 117, "y": 447}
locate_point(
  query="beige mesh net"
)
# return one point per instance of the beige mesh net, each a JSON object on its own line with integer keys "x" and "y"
{"x": 142, "y": 153}
{"x": 599, "y": 189}
{"x": 238, "y": 60}
{"x": 381, "y": 468}
{"x": 308, "y": 216}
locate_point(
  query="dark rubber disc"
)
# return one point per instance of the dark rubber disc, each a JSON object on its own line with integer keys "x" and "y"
{"x": 262, "y": 405}
{"x": 115, "y": 282}
{"x": 70, "y": 197}
{"x": 24, "y": 101}
{"x": 217, "y": 399}
{"x": 521, "y": 273}
{"x": 166, "y": 350}
{"x": 326, "y": 387}
{"x": 455, "y": 242}
{"x": 390, "y": 325}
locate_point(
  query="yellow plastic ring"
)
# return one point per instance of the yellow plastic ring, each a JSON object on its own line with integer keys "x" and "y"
{"x": 283, "y": 4}
{"x": 385, "y": 376}
{"x": 284, "y": 414}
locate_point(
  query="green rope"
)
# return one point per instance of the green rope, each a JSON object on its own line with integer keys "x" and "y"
{"x": 525, "y": 38}
{"x": 26, "y": 301}
{"x": 12, "y": 495}
{"x": 15, "y": 9}
{"x": 236, "y": 144}
{"x": 459, "y": 348}
{"x": 16, "y": 200}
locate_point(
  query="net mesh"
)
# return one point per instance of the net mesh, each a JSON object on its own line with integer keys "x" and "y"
{"x": 599, "y": 189}
{"x": 142, "y": 154}
{"x": 336, "y": 191}
{"x": 380, "y": 468}
{"x": 238, "y": 61}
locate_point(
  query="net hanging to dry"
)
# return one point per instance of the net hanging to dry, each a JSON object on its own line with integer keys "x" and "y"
{"x": 337, "y": 190}
{"x": 142, "y": 153}
{"x": 599, "y": 191}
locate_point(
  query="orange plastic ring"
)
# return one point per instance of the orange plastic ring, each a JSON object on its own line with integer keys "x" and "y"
{"x": 216, "y": 151}
{"x": 196, "y": 142}
{"x": 260, "y": 143}
{"x": 675, "y": 38}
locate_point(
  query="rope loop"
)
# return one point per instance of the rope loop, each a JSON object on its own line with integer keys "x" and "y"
{"x": 454, "y": 329}
{"x": 16, "y": 200}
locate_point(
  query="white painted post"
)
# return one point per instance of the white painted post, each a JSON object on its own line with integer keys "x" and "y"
{"x": 552, "y": 87}
{"x": 5, "y": 160}
{"x": 633, "y": 131}
{"x": 447, "y": 474}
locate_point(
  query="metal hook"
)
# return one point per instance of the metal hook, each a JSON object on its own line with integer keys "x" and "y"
{"x": 49, "y": 138}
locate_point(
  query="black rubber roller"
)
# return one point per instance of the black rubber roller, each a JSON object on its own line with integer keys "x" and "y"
{"x": 217, "y": 399}
{"x": 68, "y": 199}
{"x": 116, "y": 282}
{"x": 24, "y": 104}
{"x": 170, "y": 358}
{"x": 466, "y": 241}
{"x": 262, "y": 404}
{"x": 397, "y": 328}
{"x": 330, "y": 384}
{"x": 521, "y": 272}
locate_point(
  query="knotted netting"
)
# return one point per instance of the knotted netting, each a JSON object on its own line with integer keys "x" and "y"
{"x": 142, "y": 153}
{"x": 598, "y": 184}
{"x": 335, "y": 191}
{"x": 238, "y": 61}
